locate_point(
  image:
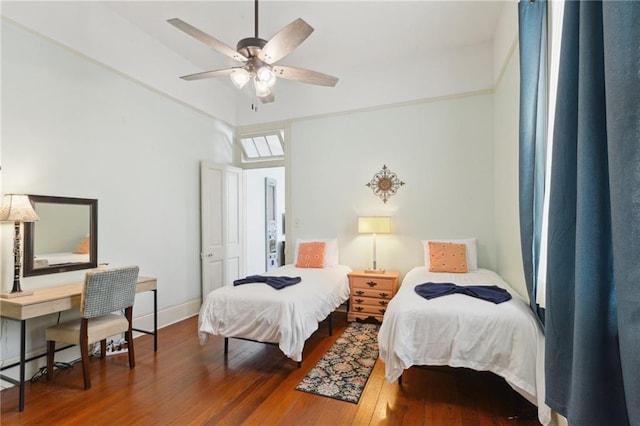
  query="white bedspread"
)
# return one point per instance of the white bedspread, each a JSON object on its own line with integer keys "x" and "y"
{"x": 288, "y": 317}
{"x": 463, "y": 331}
{"x": 53, "y": 259}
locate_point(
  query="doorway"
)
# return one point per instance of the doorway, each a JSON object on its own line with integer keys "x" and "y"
{"x": 264, "y": 221}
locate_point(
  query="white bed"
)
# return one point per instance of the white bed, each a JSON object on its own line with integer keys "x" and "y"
{"x": 463, "y": 331}
{"x": 53, "y": 259}
{"x": 287, "y": 317}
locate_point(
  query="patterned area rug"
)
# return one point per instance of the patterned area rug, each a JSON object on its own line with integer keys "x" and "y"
{"x": 343, "y": 371}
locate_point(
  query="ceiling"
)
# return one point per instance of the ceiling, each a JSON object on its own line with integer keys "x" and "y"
{"x": 378, "y": 49}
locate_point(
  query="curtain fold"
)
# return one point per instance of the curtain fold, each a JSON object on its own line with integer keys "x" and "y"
{"x": 592, "y": 279}
{"x": 622, "y": 80}
{"x": 532, "y": 17}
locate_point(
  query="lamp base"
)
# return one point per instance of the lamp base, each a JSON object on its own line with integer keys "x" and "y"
{"x": 15, "y": 294}
{"x": 374, "y": 271}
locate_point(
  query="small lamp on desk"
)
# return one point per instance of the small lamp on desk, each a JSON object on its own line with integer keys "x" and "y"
{"x": 17, "y": 209}
{"x": 374, "y": 225}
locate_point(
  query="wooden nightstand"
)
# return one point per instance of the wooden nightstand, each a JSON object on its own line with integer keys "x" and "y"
{"x": 370, "y": 294}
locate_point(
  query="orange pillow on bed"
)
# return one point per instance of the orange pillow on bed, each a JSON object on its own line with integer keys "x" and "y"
{"x": 447, "y": 257}
{"x": 83, "y": 246}
{"x": 311, "y": 255}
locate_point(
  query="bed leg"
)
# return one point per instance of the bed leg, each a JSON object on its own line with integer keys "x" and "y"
{"x": 330, "y": 324}
{"x": 226, "y": 345}
{"x": 400, "y": 379}
{"x": 299, "y": 364}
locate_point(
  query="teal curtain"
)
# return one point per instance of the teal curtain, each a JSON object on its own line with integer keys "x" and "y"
{"x": 532, "y": 17}
{"x": 622, "y": 81}
{"x": 593, "y": 281}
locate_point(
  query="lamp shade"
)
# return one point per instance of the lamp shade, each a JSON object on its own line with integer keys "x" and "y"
{"x": 374, "y": 225}
{"x": 239, "y": 77}
{"x": 17, "y": 208}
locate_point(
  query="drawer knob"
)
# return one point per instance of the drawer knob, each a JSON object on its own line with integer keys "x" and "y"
{"x": 358, "y": 308}
{"x": 383, "y": 302}
{"x": 358, "y": 300}
{"x": 359, "y": 292}
{"x": 372, "y": 283}
{"x": 382, "y": 311}
{"x": 384, "y": 294}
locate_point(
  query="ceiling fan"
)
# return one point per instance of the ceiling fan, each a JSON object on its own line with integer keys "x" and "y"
{"x": 258, "y": 58}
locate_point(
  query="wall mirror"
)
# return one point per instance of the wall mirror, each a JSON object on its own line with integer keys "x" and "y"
{"x": 64, "y": 239}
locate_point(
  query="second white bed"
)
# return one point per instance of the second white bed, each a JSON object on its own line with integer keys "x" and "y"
{"x": 463, "y": 331}
{"x": 286, "y": 317}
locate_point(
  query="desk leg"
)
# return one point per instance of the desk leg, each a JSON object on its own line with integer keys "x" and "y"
{"x": 23, "y": 326}
{"x": 155, "y": 320}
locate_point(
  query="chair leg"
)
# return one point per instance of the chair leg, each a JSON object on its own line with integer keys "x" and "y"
{"x": 103, "y": 348}
{"x": 129, "y": 336}
{"x": 84, "y": 352}
{"x": 51, "y": 349}
{"x": 132, "y": 357}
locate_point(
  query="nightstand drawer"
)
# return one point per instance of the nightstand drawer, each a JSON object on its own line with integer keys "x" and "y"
{"x": 367, "y": 292}
{"x": 369, "y": 301}
{"x": 353, "y": 316}
{"x": 367, "y": 309}
{"x": 376, "y": 283}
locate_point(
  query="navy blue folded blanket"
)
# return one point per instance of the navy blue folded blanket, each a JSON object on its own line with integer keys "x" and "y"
{"x": 490, "y": 293}
{"x": 276, "y": 282}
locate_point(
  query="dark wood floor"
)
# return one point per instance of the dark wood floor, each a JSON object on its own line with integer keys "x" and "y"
{"x": 185, "y": 383}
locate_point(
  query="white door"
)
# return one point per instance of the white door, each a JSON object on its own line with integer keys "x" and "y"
{"x": 221, "y": 209}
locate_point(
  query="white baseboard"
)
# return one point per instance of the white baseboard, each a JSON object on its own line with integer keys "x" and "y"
{"x": 166, "y": 317}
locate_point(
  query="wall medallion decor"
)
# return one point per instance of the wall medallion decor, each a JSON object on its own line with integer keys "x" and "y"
{"x": 385, "y": 183}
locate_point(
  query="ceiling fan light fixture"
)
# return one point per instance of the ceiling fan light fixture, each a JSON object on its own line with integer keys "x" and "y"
{"x": 240, "y": 77}
{"x": 266, "y": 76}
{"x": 258, "y": 57}
{"x": 262, "y": 89}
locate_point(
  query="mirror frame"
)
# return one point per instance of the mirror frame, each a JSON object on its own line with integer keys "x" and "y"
{"x": 29, "y": 236}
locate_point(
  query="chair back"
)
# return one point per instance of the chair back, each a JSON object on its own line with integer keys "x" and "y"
{"x": 108, "y": 291}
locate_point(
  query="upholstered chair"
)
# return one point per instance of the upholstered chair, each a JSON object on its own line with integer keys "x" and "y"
{"x": 105, "y": 292}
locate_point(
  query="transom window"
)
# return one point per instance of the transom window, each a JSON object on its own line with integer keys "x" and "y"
{"x": 263, "y": 146}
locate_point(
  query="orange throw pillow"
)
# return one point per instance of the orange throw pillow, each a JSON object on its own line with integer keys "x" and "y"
{"x": 311, "y": 255}
{"x": 83, "y": 246}
{"x": 447, "y": 257}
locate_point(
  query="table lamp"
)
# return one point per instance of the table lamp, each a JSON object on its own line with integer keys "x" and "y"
{"x": 17, "y": 209}
{"x": 374, "y": 225}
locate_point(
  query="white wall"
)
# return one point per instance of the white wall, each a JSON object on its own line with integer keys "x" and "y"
{"x": 506, "y": 134}
{"x": 507, "y": 223}
{"x": 441, "y": 149}
{"x": 71, "y": 127}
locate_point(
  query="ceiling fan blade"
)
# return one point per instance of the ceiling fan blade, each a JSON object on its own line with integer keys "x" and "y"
{"x": 285, "y": 41}
{"x": 207, "y": 39}
{"x": 305, "y": 76}
{"x": 208, "y": 74}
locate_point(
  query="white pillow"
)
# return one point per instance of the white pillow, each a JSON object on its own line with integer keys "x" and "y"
{"x": 472, "y": 252}
{"x": 330, "y": 249}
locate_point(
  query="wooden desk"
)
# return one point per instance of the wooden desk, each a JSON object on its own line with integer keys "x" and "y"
{"x": 57, "y": 299}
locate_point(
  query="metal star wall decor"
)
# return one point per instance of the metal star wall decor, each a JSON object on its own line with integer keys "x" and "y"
{"x": 385, "y": 183}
